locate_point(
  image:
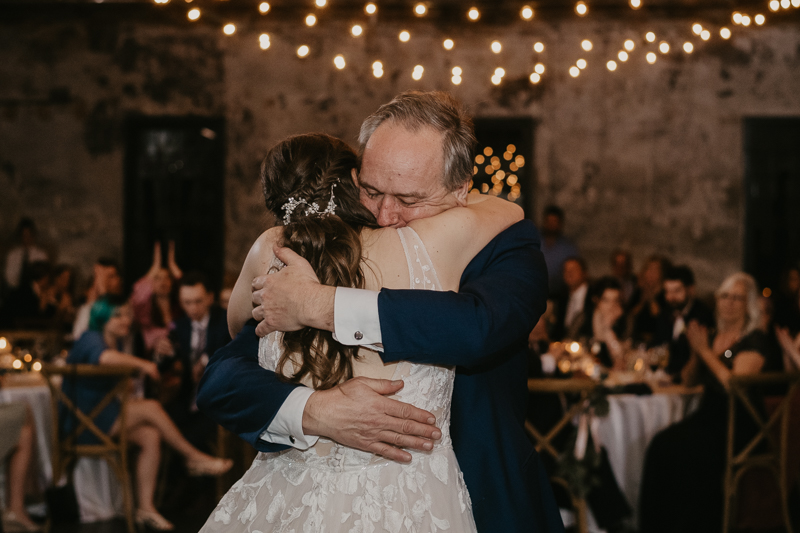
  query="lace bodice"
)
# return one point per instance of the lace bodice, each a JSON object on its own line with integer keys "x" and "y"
{"x": 333, "y": 488}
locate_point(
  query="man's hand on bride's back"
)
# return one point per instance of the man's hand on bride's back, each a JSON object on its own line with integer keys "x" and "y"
{"x": 358, "y": 414}
{"x": 292, "y": 298}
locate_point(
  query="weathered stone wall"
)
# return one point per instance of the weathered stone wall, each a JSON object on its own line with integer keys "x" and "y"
{"x": 648, "y": 157}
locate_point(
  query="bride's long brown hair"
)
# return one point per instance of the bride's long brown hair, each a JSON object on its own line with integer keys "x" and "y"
{"x": 310, "y": 168}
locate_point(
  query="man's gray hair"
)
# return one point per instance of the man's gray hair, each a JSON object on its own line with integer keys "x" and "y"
{"x": 440, "y": 111}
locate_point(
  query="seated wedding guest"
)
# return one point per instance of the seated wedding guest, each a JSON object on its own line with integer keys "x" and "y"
{"x": 569, "y": 304}
{"x": 154, "y": 304}
{"x": 791, "y": 349}
{"x": 106, "y": 279}
{"x": 603, "y": 324}
{"x": 648, "y": 300}
{"x": 681, "y": 488}
{"x": 16, "y": 449}
{"x": 682, "y": 307}
{"x": 622, "y": 270}
{"x": 228, "y": 282}
{"x": 23, "y": 254}
{"x": 555, "y": 247}
{"x": 195, "y": 337}
{"x": 28, "y": 305}
{"x": 147, "y": 424}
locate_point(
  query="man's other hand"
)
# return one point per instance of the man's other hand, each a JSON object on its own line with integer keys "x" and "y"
{"x": 358, "y": 414}
{"x": 292, "y": 298}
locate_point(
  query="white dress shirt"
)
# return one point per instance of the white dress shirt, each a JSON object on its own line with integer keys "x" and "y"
{"x": 575, "y": 304}
{"x": 356, "y": 323}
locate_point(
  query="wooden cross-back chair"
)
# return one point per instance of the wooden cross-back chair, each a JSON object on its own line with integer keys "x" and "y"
{"x": 114, "y": 450}
{"x": 769, "y": 450}
{"x": 47, "y": 341}
{"x": 543, "y": 442}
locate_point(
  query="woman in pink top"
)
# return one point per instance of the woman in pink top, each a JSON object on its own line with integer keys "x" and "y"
{"x": 154, "y": 305}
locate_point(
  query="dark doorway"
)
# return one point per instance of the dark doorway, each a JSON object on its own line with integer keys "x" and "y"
{"x": 174, "y": 171}
{"x": 772, "y": 184}
{"x": 504, "y": 160}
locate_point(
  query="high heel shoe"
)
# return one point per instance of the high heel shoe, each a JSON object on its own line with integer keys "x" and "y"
{"x": 153, "y": 520}
{"x": 209, "y": 467}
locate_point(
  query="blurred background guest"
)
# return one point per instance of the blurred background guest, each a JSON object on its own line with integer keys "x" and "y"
{"x": 194, "y": 338}
{"x": 681, "y": 486}
{"x": 555, "y": 247}
{"x": 60, "y": 296}
{"x": 154, "y": 303}
{"x": 16, "y": 449}
{"x": 648, "y": 300}
{"x": 603, "y": 324}
{"x": 147, "y": 424}
{"x": 569, "y": 303}
{"x": 622, "y": 270}
{"x": 681, "y": 307}
{"x": 29, "y": 305}
{"x": 106, "y": 279}
{"x": 23, "y": 254}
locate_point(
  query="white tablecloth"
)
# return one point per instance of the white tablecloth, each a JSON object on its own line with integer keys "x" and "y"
{"x": 631, "y": 424}
{"x": 98, "y": 491}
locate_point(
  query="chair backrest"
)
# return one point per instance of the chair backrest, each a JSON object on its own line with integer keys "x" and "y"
{"x": 66, "y": 447}
{"x": 759, "y": 475}
{"x": 42, "y": 343}
{"x": 581, "y": 387}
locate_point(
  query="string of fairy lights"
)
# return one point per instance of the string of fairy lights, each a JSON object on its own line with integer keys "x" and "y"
{"x": 651, "y": 44}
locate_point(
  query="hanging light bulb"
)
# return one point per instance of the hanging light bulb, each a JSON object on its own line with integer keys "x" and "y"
{"x": 688, "y": 47}
{"x": 500, "y": 72}
{"x": 356, "y": 30}
{"x": 629, "y": 45}
{"x": 622, "y": 55}
{"x": 456, "y": 80}
{"x": 321, "y": 3}
{"x": 586, "y": 44}
{"x": 636, "y": 4}
{"x": 339, "y": 61}
{"x": 193, "y": 14}
{"x": 229, "y": 29}
{"x": 263, "y": 8}
{"x": 526, "y": 13}
{"x": 774, "y": 5}
{"x": 663, "y": 47}
{"x": 420, "y": 10}
{"x": 263, "y": 41}
{"x": 737, "y": 17}
{"x": 725, "y": 33}
{"x": 574, "y": 71}
{"x": 651, "y": 57}
{"x": 611, "y": 65}
{"x": 697, "y": 28}
{"x": 311, "y": 20}
{"x": 795, "y": 3}
{"x": 496, "y": 47}
{"x": 418, "y": 71}
{"x": 581, "y": 64}
{"x": 538, "y": 48}
{"x": 535, "y": 77}
{"x": 404, "y": 36}
{"x": 303, "y": 51}
{"x": 785, "y": 4}
{"x": 650, "y": 37}
{"x": 746, "y": 20}
{"x": 457, "y": 71}
{"x": 370, "y": 9}
{"x": 473, "y": 14}
{"x": 538, "y": 68}
{"x": 496, "y": 79}
{"x": 448, "y": 44}
{"x": 760, "y": 19}
{"x": 705, "y": 35}
{"x": 581, "y": 8}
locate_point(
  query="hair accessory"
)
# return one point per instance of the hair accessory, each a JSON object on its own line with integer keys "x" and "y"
{"x": 311, "y": 209}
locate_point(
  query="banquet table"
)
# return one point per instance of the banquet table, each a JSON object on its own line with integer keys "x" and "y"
{"x": 97, "y": 489}
{"x": 631, "y": 424}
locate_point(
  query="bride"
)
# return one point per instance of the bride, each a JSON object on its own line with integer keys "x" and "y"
{"x": 309, "y": 185}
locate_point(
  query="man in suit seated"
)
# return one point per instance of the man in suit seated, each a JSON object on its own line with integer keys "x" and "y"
{"x": 192, "y": 340}
{"x": 570, "y": 303}
{"x": 682, "y": 307}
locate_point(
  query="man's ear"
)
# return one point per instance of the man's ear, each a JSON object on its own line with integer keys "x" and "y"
{"x": 461, "y": 194}
{"x": 354, "y": 173}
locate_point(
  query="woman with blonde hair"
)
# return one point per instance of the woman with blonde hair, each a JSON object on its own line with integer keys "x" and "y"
{"x": 682, "y": 482}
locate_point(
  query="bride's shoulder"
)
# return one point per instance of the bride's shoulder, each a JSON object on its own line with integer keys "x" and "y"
{"x": 261, "y": 251}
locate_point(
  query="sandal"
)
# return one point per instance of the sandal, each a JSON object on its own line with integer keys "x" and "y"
{"x": 153, "y": 520}
{"x": 209, "y": 467}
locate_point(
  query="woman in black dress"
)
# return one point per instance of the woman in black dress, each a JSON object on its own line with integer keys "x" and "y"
{"x": 682, "y": 482}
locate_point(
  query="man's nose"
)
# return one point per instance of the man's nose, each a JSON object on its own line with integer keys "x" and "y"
{"x": 388, "y": 215}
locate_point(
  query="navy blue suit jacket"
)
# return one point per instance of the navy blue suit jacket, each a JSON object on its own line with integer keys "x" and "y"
{"x": 483, "y": 330}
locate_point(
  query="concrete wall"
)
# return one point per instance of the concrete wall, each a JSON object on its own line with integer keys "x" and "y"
{"x": 648, "y": 157}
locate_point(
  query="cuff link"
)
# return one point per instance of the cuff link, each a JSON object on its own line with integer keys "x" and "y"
{"x": 358, "y": 335}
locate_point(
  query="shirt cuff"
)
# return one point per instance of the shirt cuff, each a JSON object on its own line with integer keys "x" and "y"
{"x": 287, "y": 426}
{"x": 355, "y": 318}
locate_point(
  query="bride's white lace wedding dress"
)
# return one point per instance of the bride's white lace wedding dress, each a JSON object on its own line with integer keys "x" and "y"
{"x": 333, "y": 488}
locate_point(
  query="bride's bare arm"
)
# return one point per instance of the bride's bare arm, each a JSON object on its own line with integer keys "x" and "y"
{"x": 240, "y": 307}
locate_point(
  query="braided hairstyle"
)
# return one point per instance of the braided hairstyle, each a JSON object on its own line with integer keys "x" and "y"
{"x": 312, "y": 168}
